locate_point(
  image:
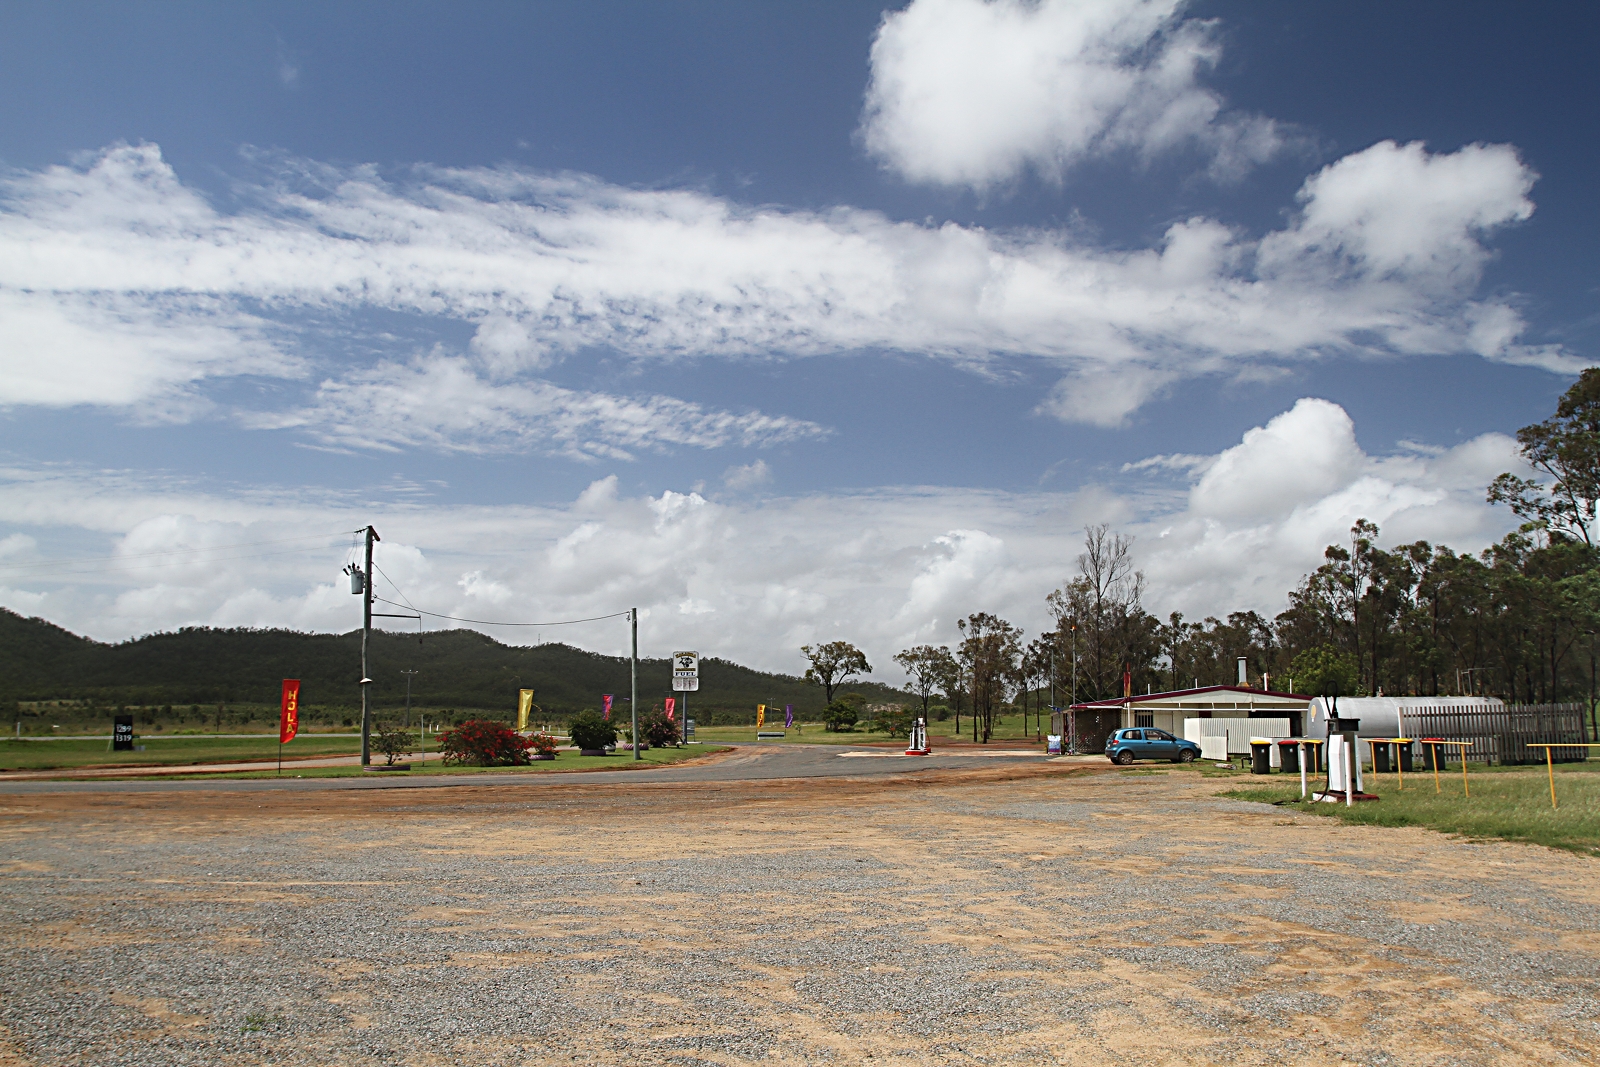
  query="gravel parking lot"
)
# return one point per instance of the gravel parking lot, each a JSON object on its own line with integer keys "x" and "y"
{"x": 1038, "y": 914}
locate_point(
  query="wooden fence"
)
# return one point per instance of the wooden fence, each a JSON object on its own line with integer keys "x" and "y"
{"x": 1501, "y": 734}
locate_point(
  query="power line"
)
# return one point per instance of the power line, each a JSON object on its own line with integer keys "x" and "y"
{"x": 400, "y": 592}
{"x": 489, "y": 622}
{"x": 478, "y": 622}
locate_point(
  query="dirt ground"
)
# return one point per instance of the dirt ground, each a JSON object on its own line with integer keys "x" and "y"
{"x": 1044, "y": 914}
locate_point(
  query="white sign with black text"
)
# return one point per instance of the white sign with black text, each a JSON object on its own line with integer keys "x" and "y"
{"x": 686, "y": 672}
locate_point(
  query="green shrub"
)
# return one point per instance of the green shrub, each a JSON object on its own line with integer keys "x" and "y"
{"x": 895, "y": 720}
{"x": 842, "y": 715}
{"x": 590, "y": 731}
{"x": 394, "y": 742}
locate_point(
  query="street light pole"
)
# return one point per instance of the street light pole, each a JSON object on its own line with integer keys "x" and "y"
{"x": 408, "y": 675}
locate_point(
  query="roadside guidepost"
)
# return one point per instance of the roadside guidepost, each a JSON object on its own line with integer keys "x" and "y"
{"x": 686, "y": 680}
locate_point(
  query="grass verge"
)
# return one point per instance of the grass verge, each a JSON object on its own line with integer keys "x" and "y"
{"x": 565, "y": 761}
{"x": 1509, "y": 803}
{"x": 52, "y": 754}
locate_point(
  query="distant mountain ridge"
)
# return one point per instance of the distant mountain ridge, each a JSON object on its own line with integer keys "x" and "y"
{"x": 455, "y": 668}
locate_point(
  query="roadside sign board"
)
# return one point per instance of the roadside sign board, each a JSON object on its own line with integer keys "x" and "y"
{"x": 686, "y": 672}
{"x": 122, "y": 733}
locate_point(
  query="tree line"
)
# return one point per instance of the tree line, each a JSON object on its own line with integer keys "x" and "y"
{"x": 1518, "y": 620}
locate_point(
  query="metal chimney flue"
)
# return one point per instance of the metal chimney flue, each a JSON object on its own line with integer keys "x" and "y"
{"x": 1244, "y": 674}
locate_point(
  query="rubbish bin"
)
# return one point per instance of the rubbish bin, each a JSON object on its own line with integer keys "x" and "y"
{"x": 1438, "y": 756}
{"x": 1380, "y": 758}
{"x": 1289, "y": 756}
{"x": 1260, "y": 756}
{"x": 1405, "y": 755}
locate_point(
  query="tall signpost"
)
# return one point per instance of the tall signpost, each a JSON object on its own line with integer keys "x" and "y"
{"x": 686, "y": 679}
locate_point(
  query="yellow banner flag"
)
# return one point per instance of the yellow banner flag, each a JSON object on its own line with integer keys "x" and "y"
{"x": 524, "y": 705}
{"x": 761, "y": 716}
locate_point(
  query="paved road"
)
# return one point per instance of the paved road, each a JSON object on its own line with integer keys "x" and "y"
{"x": 748, "y": 763}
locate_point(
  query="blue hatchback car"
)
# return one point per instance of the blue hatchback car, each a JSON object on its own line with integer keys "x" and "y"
{"x": 1144, "y": 742}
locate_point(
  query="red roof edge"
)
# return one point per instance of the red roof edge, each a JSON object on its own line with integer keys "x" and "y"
{"x": 1117, "y": 702}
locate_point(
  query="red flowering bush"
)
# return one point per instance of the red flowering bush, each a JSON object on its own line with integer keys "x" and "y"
{"x": 485, "y": 744}
{"x": 543, "y": 744}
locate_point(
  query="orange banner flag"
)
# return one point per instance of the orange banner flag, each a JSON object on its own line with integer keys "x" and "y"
{"x": 289, "y": 717}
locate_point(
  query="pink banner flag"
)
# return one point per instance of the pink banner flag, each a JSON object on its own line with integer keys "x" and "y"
{"x": 607, "y": 699}
{"x": 672, "y": 703}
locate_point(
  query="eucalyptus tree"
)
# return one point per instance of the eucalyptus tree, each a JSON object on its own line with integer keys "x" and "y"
{"x": 1565, "y": 448}
{"x": 832, "y": 663}
{"x": 989, "y": 651}
{"x": 928, "y": 666}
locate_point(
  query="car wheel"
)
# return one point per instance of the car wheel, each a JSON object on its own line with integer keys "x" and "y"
{"x": 1124, "y": 757}
{"x": 1186, "y": 756}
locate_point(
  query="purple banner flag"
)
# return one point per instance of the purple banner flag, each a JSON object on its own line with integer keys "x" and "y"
{"x": 788, "y": 716}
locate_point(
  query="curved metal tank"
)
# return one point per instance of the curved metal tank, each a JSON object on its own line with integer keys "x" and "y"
{"x": 1383, "y": 716}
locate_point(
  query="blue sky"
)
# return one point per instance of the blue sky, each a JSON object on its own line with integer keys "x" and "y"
{"x": 783, "y": 322}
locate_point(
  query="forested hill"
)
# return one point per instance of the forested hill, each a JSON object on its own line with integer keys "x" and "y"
{"x": 455, "y": 668}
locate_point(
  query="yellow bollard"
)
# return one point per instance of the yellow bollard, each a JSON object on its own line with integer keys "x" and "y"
{"x": 1550, "y": 766}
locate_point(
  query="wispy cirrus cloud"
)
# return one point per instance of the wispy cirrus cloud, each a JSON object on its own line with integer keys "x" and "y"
{"x": 443, "y": 403}
{"x": 131, "y": 289}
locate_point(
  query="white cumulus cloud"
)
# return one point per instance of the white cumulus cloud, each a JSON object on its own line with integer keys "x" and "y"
{"x": 749, "y": 579}
{"x": 1258, "y": 515}
{"x": 977, "y": 92}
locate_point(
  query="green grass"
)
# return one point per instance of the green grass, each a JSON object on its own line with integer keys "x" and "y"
{"x": 565, "y": 761}
{"x": 1509, "y": 803}
{"x": 164, "y": 751}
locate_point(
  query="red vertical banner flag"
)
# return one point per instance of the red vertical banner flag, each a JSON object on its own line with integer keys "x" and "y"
{"x": 672, "y": 704}
{"x": 289, "y": 715}
{"x": 606, "y": 699}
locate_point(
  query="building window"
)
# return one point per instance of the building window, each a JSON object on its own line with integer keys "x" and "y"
{"x": 1144, "y": 718}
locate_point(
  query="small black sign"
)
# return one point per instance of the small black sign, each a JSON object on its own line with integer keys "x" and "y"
{"x": 122, "y": 734}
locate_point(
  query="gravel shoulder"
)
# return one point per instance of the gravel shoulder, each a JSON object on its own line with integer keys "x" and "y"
{"x": 1002, "y": 913}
